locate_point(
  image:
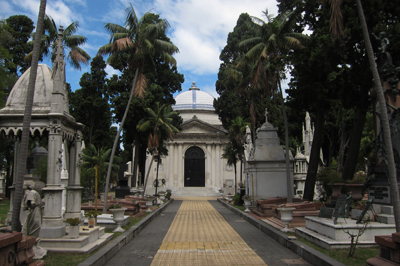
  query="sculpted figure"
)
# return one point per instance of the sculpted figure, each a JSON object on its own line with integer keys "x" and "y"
{"x": 32, "y": 203}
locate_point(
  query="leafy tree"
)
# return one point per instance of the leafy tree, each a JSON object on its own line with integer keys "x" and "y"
{"x": 76, "y": 55}
{"x": 139, "y": 41}
{"x": 20, "y": 27}
{"x": 237, "y": 136}
{"x": 89, "y": 105}
{"x": 6, "y": 39}
{"x": 160, "y": 125}
{"x": 15, "y": 223}
{"x": 275, "y": 39}
{"x": 230, "y": 153}
{"x": 237, "y": 97}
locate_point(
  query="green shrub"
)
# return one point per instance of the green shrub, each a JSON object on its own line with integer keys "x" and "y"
{"x": 325, "y": 178}
{"x": 237, "y": 200}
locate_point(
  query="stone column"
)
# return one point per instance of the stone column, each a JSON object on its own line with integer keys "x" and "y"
{"x": 52, "y": 224}
{"x": 176, "y": 170}
{"x": 74, "y": 189}
{"x": 15, "y": 171}
{"x": 181, "y": 172}
{"x": 209, "y": 178}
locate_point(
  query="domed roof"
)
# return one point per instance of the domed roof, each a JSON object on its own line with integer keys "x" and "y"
{"x": 43, "y": 90}
{"x": 194, "y": 99}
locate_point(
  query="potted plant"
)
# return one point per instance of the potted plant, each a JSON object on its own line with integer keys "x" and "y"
{"x": 332, "y": 183}
{"x": 118, "y": 216}
{"x": 92, "y": 217}
{"x": 356, "y": 186}
{"x": 247, "y": 202}
{"x": 168, "y": 194}
{"x": 73, "y": 229}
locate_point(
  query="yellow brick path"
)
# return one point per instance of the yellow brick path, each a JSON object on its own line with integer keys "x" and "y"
{"x": 200, "y": 236}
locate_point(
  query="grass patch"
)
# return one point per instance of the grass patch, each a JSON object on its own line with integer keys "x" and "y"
{"x": 64, "y": 259}
{"x": 341, "y": 255}
{"x": 4, "y": 207}
{"x": 71, "y": 259}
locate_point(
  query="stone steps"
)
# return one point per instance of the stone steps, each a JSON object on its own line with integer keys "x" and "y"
{"x": 194, "y": 192}
{"x": 89, "y": 239}
{"x": 275, "y": 222}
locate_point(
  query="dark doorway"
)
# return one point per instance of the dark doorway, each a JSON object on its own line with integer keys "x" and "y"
{"x": 194, "y": 167}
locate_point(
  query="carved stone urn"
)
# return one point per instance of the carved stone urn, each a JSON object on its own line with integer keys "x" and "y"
{"x": 286, "y": 217}
{"x": 118, "y": 217}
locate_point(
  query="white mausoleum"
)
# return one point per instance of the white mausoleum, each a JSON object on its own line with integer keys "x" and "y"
{"x": 194, "y": 166}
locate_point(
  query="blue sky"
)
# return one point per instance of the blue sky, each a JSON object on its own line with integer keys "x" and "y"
{"x": 198, "y": 27}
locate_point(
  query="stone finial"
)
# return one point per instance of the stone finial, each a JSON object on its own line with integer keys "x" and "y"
{"x": 266, "y": 115}
{"x": 194, "y": 87}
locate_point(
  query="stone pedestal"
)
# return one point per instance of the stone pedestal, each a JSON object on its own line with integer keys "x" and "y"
{"x": 52, "y": 223}
{"x": 73, "y": 207}
{"x": 324, "y": 233}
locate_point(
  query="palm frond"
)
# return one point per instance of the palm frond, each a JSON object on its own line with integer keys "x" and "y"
{"x": 75, "y": 40}
{"x": 121, "y": 44}
{"x": 141, "y": 85}
{"x": 114, "y": 28}
{"x": 105, "y": 49}
{"x": 71, "y": 29}
{"x": 76, "y": 57}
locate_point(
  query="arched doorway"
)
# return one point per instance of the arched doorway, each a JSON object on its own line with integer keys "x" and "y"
{"x": 194, "y": 167}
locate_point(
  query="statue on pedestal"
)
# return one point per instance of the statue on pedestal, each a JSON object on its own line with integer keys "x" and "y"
{"x": 32, "y": 204}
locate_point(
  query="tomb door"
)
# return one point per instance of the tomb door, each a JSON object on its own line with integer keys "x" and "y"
{"x": 194, "y": 167}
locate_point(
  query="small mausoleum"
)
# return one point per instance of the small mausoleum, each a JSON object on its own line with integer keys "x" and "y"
{"x": 194, "y": 166}
{"x": 50, "y": 120}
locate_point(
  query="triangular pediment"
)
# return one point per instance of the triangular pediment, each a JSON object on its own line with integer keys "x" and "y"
{"x": 195, "y": 126}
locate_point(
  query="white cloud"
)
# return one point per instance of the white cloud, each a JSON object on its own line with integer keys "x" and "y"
{"x": 5, "y": 9}
{"x": 200, "y": 28}
{"x": 111, "y": 71}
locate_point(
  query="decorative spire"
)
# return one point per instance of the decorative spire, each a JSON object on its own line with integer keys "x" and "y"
{"x": 266, "y": 115}
{"x": 59, "y": 96}
{"x": 194, "y": 87}
{"x": 59, "y": 63}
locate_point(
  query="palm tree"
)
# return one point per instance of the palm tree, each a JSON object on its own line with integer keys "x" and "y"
{"x": 231, "y": 155}
{"x": 15, "y": 223}
{"x": 93, "y": 157}
{"x": 76, "y": 55}
{"x": 160, "y": 124}
{"x": 272, "y": 41}
{"x": 237, "y": 135}
{"x": 140, "y": 40}
{"x": 337, "y": 26}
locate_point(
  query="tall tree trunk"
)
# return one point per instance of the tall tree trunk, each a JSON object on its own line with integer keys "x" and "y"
{"x": 355, "y": 140}
{"x": 147, "y": 176}
{"x": 343, "y": 144}
{"x": 135, "y": 162}
{"x": 289, "y": 180}
{"x": 114, "y": 148}
{"x": 16, "y": 224}
{"x": 314, "y": 157}
{"x": 394, "y": 189}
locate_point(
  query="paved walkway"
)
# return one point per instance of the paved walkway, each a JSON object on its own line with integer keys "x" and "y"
{"x": 197, "y": 232}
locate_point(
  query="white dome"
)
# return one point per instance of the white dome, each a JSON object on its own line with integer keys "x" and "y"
{"x": 43, "y": 89}
{"x": 194, "y": 99}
